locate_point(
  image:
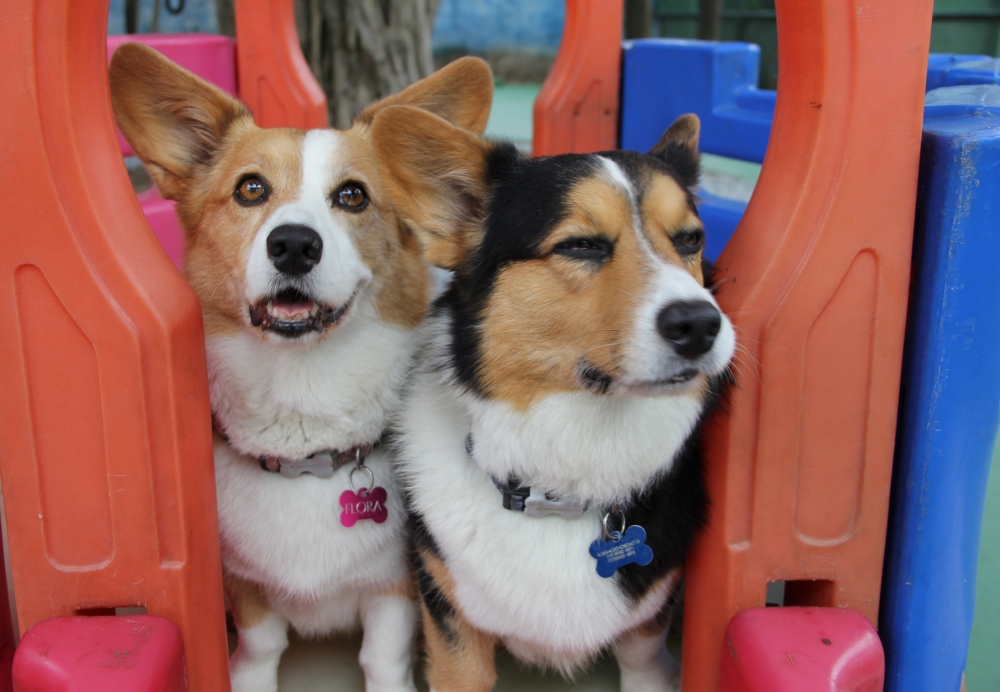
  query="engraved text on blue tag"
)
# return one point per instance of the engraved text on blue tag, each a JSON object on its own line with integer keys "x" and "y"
{"x": 628, "y": 548}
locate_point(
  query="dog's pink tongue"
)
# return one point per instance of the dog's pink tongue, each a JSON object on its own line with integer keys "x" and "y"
{"x": 291, "y": 311}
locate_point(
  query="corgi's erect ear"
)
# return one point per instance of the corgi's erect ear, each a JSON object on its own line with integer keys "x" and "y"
{"x": 461, "y": 92}
{"x": 435, "y": 176}
{"x": 174, "y": 120}
{"x": 678, "y": 147}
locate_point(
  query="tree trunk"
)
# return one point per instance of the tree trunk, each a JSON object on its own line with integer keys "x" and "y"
{"x": 362, "y": 50}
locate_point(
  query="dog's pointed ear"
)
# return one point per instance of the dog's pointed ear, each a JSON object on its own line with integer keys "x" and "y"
{"x": 435, "y": 175}
{"x": 678, "y": 148}
{"x": 174, "y": 120}
{"x": 460, "y": 92}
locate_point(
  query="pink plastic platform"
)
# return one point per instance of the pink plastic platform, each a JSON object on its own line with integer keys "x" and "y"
{"x": 213, "y": 58}
{"x": 801, "y": 650}
{"x": 138, "y": 653}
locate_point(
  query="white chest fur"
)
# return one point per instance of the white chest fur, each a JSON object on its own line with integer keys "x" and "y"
{"x": 530, "y": 581}
{"x": 285, "y": 534}
{"x": 291, "y": 401}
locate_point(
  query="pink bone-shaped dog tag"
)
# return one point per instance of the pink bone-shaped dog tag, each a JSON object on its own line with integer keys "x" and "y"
{"x": 364, "y": 504}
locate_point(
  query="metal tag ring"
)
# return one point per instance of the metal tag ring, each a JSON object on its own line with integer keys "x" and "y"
{"x": 371, "y": 478}
{"x": 608, "y": 534}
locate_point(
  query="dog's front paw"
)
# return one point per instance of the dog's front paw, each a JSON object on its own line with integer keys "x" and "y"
{"x": 253, "y": 676}
{"x": 663, "y": 674}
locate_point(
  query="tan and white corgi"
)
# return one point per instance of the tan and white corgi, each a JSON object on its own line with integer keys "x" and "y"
{"x": 549, "y": 442}
{"x": 311, "y": 287}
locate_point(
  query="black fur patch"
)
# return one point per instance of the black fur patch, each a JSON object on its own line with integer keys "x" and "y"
{"x": 438, "y": 606}
{"x": 672, "y": 510}
{"x": 527, "y": 199}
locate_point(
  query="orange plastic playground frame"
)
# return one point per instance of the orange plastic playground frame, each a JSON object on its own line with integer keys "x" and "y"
{"x": 577, "y": 107}
{"x": 105, "y": 428}
{"x": 105, "y": 450}
{"x": 816, "y": 280}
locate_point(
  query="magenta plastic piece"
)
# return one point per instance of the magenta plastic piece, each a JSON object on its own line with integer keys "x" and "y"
{"x": 163, "y": 220}
{"x": 799, "y": 649}
{"x": 140, "y": 653}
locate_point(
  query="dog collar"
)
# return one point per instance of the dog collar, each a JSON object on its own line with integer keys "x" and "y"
{"x": 532, "y": 501}
{"x": 322, "y": 464}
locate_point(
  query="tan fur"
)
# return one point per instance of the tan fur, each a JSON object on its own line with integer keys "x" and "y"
{"x": 661, "y": 623}
{"x": 468, "y": 76}
{"x": 545, "y": 315}
{"x": 465, "y": 662}
{"x": 246, "y": 601}
{"x": 417, "y": 153}
{"x": 685, "y": 130}
{"x": 420, "y": 156}
{"x": 199, "y": 162}
{"x": 664, "y": 213}
{"x": 173, "y": 119}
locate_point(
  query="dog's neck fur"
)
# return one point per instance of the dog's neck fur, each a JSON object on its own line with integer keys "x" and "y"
{"x": 292, "y": 400}
{"x": 597, "y": 448}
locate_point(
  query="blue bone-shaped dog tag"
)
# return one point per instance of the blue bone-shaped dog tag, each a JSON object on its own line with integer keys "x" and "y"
{"x": 617, "y": 553}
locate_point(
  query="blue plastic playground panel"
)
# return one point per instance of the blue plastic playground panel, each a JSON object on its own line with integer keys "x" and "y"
{"x": 663, "y": 79}
{"x": 950, "y": 401}
{"x": 666, "y": 78}
{"x": 720, "y": 216}
{"x": 945, "y": 69}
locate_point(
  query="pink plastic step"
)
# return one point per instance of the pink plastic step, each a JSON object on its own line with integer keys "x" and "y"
{"x": 139, "y": 653}
{"x": 801, "y": 649}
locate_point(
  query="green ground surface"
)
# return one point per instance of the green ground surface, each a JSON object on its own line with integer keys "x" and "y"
{"x": 510, "y": 117}
{"x": 982, "y": 671}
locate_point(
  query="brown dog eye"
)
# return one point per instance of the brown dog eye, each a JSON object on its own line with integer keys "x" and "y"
{"x": 689, "y": 242}
{"x": 351, "y": 197}
{"x": 251, "y": 190}
{"x": 592, "y": 249}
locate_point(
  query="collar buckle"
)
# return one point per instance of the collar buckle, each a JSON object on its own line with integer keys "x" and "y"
{"x": 539, "y": 505}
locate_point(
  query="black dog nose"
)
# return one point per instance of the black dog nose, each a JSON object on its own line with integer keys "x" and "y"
{"x": 690, "y": 326}
{"x": 294, "y": 249}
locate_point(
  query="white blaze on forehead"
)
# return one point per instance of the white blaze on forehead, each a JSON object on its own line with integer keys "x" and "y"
{"x": 320, "y": 149}
{"x": 617, "y": 176}
{"x": 614, "y": 173}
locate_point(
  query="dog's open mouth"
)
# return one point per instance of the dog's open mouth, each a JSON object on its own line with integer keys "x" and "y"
{"x": 292, "y": 313}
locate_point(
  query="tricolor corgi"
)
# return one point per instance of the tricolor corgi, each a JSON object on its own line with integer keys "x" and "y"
{"x": 312, "y": 288}
{"x": 549, "y": 442}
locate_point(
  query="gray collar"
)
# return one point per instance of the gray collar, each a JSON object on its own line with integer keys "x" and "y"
{"x": 322, "y": 464}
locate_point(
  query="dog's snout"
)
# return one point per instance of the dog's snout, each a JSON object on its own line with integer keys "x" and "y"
{"x": 294, "y": 249}
{"x": 690, "y": 326}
